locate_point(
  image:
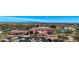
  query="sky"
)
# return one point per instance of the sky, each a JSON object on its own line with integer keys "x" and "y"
{"x": 48, "y": 19}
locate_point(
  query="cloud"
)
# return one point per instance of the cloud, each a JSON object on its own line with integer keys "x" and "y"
{"x": 14, "y": 19}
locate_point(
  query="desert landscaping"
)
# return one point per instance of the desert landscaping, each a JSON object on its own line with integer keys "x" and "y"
{"x": 39, "y": 32}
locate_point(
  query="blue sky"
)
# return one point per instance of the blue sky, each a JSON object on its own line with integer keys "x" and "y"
{"x": 57, "y": 19}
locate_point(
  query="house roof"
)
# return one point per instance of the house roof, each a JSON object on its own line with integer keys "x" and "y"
{"x": 19, "y": 31}
{"x": 42, "y": 28}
